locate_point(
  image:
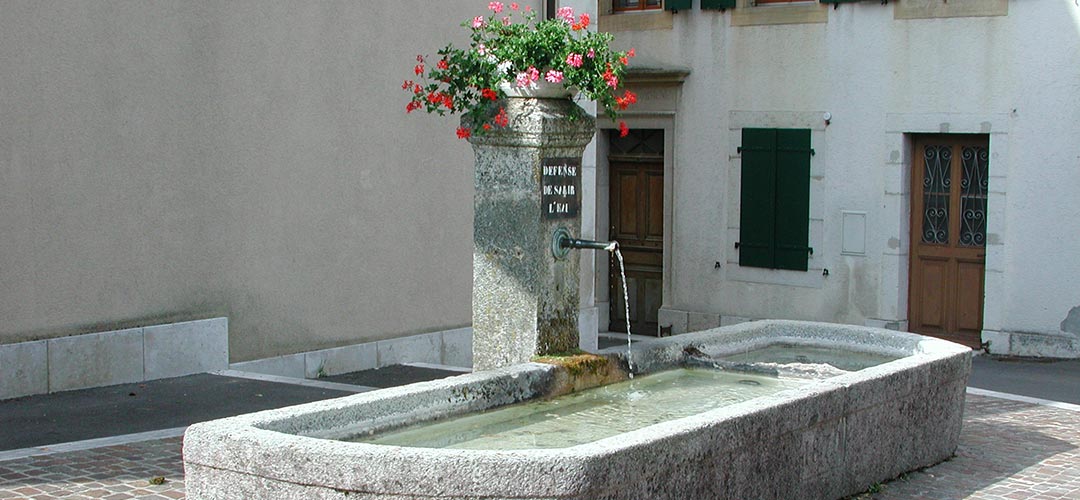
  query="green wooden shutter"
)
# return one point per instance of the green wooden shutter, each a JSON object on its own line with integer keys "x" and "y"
{"x": 792, "y": 199}
{"x": 717, "y": 4}
{"x": 677, "y": 4}
{"x": 757, "y": 208}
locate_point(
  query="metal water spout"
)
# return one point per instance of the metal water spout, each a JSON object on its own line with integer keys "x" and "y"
{"x": 562, "y": 243}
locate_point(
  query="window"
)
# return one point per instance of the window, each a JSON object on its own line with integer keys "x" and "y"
{"x": 625, "y": 5}
{"x": 775, "y": 198}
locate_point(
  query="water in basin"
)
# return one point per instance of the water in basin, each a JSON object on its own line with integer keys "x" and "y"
{"x": 589, "y": 415}
{"x": 792, "y": 354}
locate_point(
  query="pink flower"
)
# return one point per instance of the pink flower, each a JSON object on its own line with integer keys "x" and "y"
{"x": 513, "y": 6}
{"x": 574, "y": 60}
{"x": 481, "y": 49}
{"x": 497, "y": 7}
{"x": 528, "y": 8}
{"x": 566, "y": 14}
{"x": 554, "y": 76}
{"x": 527, "y": 78}
{"x": 584, "y": 20}
{"x": 591, "y": 54}
{"x": 522, "y": 80}
{"x": 478, "y": 22}
{"x": 506, "y": 21}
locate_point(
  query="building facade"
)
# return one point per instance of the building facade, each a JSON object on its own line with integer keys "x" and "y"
{"x": 907, "y": 164}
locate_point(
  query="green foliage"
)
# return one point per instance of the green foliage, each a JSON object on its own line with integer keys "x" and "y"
{"x": 523, "y": 54}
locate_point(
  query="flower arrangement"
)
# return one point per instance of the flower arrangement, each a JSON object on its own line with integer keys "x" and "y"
{"x": 517, "y": 55}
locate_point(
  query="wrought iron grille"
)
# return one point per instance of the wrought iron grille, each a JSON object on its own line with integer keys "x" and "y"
{"x": 936, "y": 183}
{"x": 973, "y": 188}
{"x": 639, "y": 142}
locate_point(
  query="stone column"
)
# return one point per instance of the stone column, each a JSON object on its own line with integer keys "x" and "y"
{"x": 528, "y": 184}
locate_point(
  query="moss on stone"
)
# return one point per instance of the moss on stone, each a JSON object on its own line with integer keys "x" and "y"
{"x": 576, "y": 363}
{"x": 578, "y": 370}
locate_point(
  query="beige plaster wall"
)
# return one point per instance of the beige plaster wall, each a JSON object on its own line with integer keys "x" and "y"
{"x": 170, "y": 160}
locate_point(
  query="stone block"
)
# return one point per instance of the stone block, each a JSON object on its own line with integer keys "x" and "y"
{"x": 95, "y": 360}
{"x": 289, "y": 365}
{"x": 24, "y": 369}
{"x": 1044, "y": 345}
{"x": 457, "y": 347}
{"x": 677, "y": 320}
{"x": 588, "y": 327}
{"x": 998, "y": 342}
{"x": 328, "y": 362}
{"x": 922, "y": 429}
{"x": 180, "y": 349}
{"x": 696, "y": 321}
{"x": 425, "y": 348}
{"x": 733, "y": 320}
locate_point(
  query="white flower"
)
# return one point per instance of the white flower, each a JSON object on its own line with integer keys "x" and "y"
{"x": 504, "y": 67}
{"x": 491, "y": 59}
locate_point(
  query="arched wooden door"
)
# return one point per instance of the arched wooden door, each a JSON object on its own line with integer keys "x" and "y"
{"x": 950, "y": 177}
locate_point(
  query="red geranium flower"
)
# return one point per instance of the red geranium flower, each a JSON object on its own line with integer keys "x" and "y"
{"x": 463, "y": 133}
{"x": 501, "y": 119}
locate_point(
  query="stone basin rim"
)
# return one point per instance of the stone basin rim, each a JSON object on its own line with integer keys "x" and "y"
{"x": 331, "y": 460}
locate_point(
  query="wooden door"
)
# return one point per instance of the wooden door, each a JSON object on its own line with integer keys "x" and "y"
{"x": 948, "y": 236}
{"x": 637, "y": 223}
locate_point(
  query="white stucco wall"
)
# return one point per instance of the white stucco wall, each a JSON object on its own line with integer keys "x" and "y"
{"x": 1014, "y": 77}
{"x": 171, "y": 160}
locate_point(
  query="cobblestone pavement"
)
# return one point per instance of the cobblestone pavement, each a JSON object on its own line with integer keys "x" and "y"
{"x": 111, "y": 472}
{"x": 1008, "y": 450}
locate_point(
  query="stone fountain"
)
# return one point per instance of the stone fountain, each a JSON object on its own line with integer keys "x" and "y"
{"x": 830, "y": 435}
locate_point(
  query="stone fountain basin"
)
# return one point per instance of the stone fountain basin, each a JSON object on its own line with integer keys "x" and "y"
{"x": 830, "y": 438}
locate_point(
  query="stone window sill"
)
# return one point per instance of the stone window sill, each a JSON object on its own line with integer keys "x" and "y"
{"x": 929, "y": 9}
{"x": 746, "y": 14}
{"x": 635, "y": 21}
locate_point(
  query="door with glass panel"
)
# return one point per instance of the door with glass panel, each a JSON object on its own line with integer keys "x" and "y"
{"x": 950, "y": 176}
